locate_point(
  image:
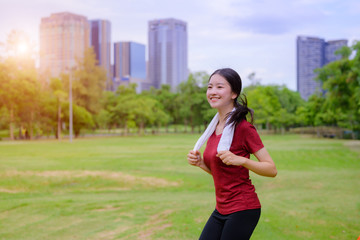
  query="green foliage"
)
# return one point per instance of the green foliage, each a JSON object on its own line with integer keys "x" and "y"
{"x": 341, "y": 102}
{"x": 27, "y": 102}
{"x": 192, "y": 95}
{"x": 81, "y": 118}
{"x": 19, "y": 89}
{"x": 129, "y": 109}
{"x": 274, "y": 106}
{"x": 88, "y": 82}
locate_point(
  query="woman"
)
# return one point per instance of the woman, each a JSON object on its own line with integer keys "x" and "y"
{"x": 237, "y": 206}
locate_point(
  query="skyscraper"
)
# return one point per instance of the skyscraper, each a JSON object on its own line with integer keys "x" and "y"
{"x": 130, "y": 65}
{"x": 63, "y": 38}
{"x": 100, "y": 40}
{"x": 330, "y": 49}
{"x": 168, "y": 59}
{"x": 312, "y": 53}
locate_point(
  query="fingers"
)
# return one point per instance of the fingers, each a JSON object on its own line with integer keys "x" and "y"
{"x": 223, "y": 154}
{"x": 194, "y": 157}
{"x": 226, "y": 157}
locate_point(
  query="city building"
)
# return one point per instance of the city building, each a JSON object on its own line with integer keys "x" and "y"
{"x": 313, "y": 53}
{"x": 168, "y": 52}
{"x": 130, "y": 65}
{"x": 331, "y": 47}
{"x": 100, "y": 40}
{"x": 64, "y": 37}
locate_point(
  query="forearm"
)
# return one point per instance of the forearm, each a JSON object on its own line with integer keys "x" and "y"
{"x": 205, "y": 168}
{"x": 266, "y": 169}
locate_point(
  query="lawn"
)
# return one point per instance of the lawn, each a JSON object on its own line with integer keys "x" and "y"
{"x": 143, "y": 188}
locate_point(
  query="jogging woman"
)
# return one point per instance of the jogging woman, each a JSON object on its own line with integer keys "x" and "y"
{"x": 230, "y": 141}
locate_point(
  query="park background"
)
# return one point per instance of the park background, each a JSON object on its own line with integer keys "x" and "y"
{"x": 125, "y": 175}
{"x": 33, "y": 107}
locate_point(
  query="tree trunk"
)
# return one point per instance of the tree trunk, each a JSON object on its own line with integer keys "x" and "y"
{"x": 31, "y": 125}
{"x": 267, "y": 125}
{"x": 141, "y": 128}
{"x": 192, "y": 125}
{"x": 205, "y": 126}
{"x": 125, "y": 130}
{"x": 185, "y": 126}
{"x": 11, "y": 125}
{"x": 59, "y": 122}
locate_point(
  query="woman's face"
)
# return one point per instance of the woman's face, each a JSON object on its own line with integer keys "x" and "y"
{"x": 219, "y": 93}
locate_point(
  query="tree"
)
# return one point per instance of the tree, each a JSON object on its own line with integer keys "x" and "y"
{"x": 81, "y": 117}
{"x": 191, "y": 101}
{"x": 88, "y": 82}
{"x": 341, "y": 81}
{"x": 57, "y": 87}
{"x": 30, "y": 93}
{"x": 274, "y": 106}
{"x": 18, "y": 81}
{"x": 146, "y": 110}
{"x": 103, "y": 118}
{"x": 120, "y": 108}
{"x": 129, "y": 109}
{"x": 9, "y": 92}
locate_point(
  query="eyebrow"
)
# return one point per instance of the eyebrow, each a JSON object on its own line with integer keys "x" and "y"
{"x": 216, "y": 84}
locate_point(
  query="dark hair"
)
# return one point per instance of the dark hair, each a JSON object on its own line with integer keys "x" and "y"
{"x": 240, "y": 103}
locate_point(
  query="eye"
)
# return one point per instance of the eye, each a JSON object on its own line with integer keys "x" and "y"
{"x": 209, "y": 87}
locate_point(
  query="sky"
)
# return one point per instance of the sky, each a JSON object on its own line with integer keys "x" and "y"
{"x": 246, "y": 35}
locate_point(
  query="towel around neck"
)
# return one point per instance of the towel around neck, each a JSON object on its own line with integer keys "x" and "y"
{"x": 226, "y": 136}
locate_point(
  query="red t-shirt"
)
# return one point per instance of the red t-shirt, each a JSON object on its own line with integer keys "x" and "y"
{"x": 233, "y": 188}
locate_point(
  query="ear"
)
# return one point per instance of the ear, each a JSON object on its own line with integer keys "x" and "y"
{"x": 234, "y": 95}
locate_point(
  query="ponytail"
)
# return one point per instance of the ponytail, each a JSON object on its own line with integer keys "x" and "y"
{"x": 240, "y": 112}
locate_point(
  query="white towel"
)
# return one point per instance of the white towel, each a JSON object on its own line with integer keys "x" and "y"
{"x": 226, "y": 137}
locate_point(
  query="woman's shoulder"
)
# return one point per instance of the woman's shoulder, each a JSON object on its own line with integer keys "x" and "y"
{"x": 244, "y": 124}
{"x": 247, "y": 135}
{"x": 244, "y": 128}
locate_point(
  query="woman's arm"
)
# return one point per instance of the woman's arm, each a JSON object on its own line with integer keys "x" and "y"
{"x": 265, "y": 166}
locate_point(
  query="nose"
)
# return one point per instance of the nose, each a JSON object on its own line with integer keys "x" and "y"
{"x": 211, "y": 91}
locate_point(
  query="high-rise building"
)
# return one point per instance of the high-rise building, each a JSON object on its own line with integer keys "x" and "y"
{"x": 130, "y": 65}
{"x": 64, "y": 37}
{"x": 100, "y": 40}
{"x": 168, "y": 52}
{"x": 313, "y": 53}
{"x": 331, "y": 47}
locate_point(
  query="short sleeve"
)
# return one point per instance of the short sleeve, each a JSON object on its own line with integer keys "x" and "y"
{"x": 253, "y": 141}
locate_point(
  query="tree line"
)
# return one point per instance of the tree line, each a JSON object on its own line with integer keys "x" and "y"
{"x": 32, "y": 105}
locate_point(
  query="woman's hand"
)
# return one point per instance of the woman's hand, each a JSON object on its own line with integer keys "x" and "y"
{"x": 229, "y": 158}
{"x": 194, "y": 158}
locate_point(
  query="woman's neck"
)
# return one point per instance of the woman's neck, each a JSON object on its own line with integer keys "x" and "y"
{"x": 223, "y": 112}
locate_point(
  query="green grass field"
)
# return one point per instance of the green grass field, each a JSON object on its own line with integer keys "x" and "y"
{"x": 143, "y": 188}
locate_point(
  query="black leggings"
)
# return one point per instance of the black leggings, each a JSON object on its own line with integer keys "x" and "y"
{"x": 234, "y": 226}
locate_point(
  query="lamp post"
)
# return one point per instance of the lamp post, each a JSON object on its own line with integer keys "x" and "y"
{"x": 70, "y": 108}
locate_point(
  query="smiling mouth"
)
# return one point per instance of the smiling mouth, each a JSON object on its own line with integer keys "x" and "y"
{"x": 214, "y": 98}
